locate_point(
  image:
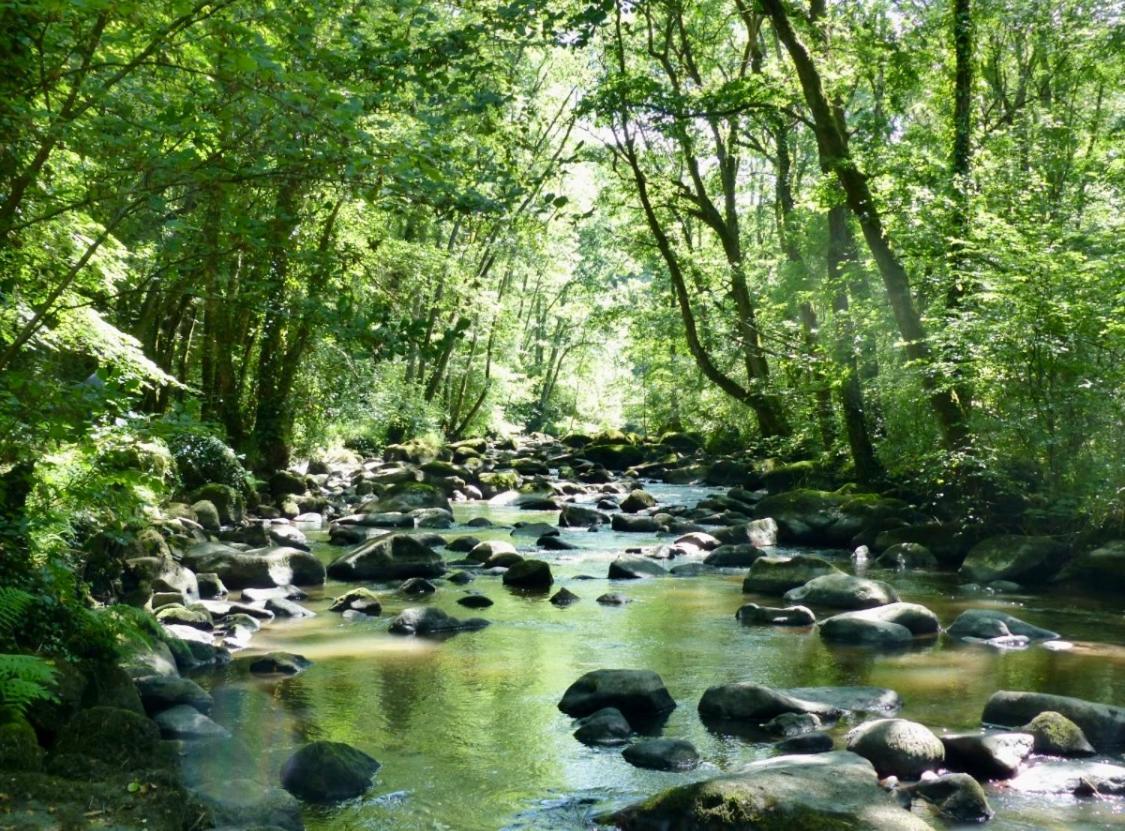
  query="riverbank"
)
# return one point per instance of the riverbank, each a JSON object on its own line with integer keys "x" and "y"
{"x": 468, "y": 727}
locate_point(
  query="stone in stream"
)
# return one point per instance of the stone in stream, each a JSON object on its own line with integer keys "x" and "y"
{"x": 613, "y": 599}
{"x": 430, "y": 621}
{"x": 760, "y": 533}
{"x": 358, "y": 599}
{"x": 279, "y": 663}
{"x": 957, "y": 797}
{"x": 529, "y": 574}
{"x": 460, "y": 578}
{"x": 604, "y": 727}
{"x": 1102, "y": 569}
{"x": 991, "y": 755}
{"x": 417, "y": 586}
{"x": 278, "y": 592}
{"x": 897, "y": 747}
{"x": 1026, "y": 560}
{"x": 487, "y": 550}
{"x": 753, "y": 614}
{"x": 287, "y": 608}
{"x": 662, "y": 754}
{"x": 895, "y": 623}
{"x": 816, "y": 742}
{"x": 1056, "y": 735}
{"x": 638, "y": 500}
{"x": 504, "y": 560}
{"x": 176, "y": 614}
{"x": 700, "y": 540}
{"x": 474, "y": 601}
{"x": 327, "y": 772}
{"x": 1103, "y": 724}
{"x": 405, "y": 497}
{"x": 750, "y": 702}
{"x": 689, "y": 570}
{"x": 786, "y": 793}
{"x": 907, "y": 555}
{"x": 777, "y": 575}
{"x": 580, "y": 516}
{"x": 462, "y": 544}
{"x": 479, "y": 522}
{"x": 160, "y": 692}
{"x": 244, "y": 803}
{"x": 554, "y": 543}
{"x": 389, "y": 557}
{"x": 878, "y": 701}
{"x": 628, "y": 567}
{"x": 842, "y": 591}
{"x": 986, "y": 624}
{"x": 185, "y": 722}
{"x": 635, "y": 524}
{"x": 261, "y": 568}
{"x": 639, "y": 694}
{"x": 734, "y": 556}
{"x": 210, "y": 586}
{"x": 787, "y": 725}
{"x": 564, "y": 597}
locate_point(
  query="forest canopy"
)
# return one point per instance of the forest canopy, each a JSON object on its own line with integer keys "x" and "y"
{"x": 883, "y": 236}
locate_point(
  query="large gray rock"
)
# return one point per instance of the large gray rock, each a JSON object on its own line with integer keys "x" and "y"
{"x": 957, "y": 797}
{"x": 990, "y": 755}
{"x": 777, "y": 575}
{"x": 838, "y": 791}
{"x": 640, "y": 695}
{"x": 328, "y": 772}
{"x": 752, "y": 613}
{"x": 389, "y": 557}
{"x": 991, "y": 623}
{"x": 431, "y": 621}
{"x": 627, "y": 567}
{"x": 907, "y": 555}
{"x": 897, "y": 747}
{"x": 831, "y": 519}
{"x": 890, "y": 624}
{"x": 747, "y": 701}
{"x": 260, "y": 568}
{"x": 405, "y": 497}
{"x": 635, "y": 524}
{"x": 244, "y": 803}
{"x": 604, "y": 727}
{"x": 1025, "y": 560}
{"x": 359, "y": 599}
{"x": 161, "y": 692}
{"x": 580, "y": 516}
{"x": 1101, "y": 569}
{"x": 1103, "y": 724}
{"x": 1056, "y": 735}
{"x": 529, "y": 574}
{"x": 856, "y": 699}
{"x": 637, "y": 500}
{"x": 662, "y": 754}
{"x": 734, "y": 556}
{"x": 843, "y": 591}
{"x": 185, "y": 722}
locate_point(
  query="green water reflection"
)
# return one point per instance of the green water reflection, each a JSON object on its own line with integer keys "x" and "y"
{"x": 467, "y": 728}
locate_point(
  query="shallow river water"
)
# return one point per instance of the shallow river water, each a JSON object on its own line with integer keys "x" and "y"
{"x": 467, "y": 728}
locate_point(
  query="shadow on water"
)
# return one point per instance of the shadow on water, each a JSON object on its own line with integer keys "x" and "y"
{"x": 468, "y": 731}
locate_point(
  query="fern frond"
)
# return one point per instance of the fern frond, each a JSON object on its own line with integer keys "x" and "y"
{"x": 23, "y": 680}
{"x": 13, "y": 604}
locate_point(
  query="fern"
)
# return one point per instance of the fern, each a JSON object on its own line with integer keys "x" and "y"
{"x": 23, "y": 678}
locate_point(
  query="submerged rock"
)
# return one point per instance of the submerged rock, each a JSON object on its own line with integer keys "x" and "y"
{"x": 662, "y": 754}
{"x": 957, "y": 797}
{"x": 894, "y": 623}
{"x": 244, "y": 803}
{"x": 161, "y": 692}
{"x": 279, "y": 663}
{"x": 185, "y": 722}
{"x": 747, "y": 701}
{"x": 897, "y": 747}
{"x": 826, "y": 790}
{"x": 604, "y": 727}
{"x": 613, "y": 599}
{"x": 752, "y": 613}
{"x": 564, "y": 597}
{"x": 990, "y": 623}
{"x": 474, "y": 601}
{"x": 638, "y": 694}
{"x": 430, "y": 621}
{"x": 815, "y": 742}
{"x": 358, "y": 599}
{"x": 328, "y": 772}
{"x": 629, "y": 567}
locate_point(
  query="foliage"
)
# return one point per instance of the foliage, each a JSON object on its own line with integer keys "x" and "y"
{"x": 24, "y": 679}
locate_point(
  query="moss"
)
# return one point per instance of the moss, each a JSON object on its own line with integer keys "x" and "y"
{"x": 19, "y": 747}
{"x": 117, "y": 737}
{"x": 110, "y": 686}
{"x": 227, "y": 501}
{"x": 49, "y": 717}
{"x": 1057, "y": 735}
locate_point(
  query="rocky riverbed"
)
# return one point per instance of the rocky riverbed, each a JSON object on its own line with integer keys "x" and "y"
{"x": 451, "y": 675}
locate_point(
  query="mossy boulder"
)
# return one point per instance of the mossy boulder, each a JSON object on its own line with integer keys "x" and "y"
{"x": 19, "y": 747}
{"x": 390, "y": 557}
{"x": 836, "y": 791}
{"x": 944, "y": 540}
{"x": 328, "y": 772}
{"x": 615, "y": 456}
{"x": 263, "y": 568}
{"x": 529, "y": 574}
{"x": 779, "y": 477}
{"x": 111, "y": 686}
{"x": 227, "y": 501}
{"x": 1100, "y": 569}
{"x": 286, "y": 482}
{"x": 1056, "y": 735}
{"x": 777, "y": 575}
{"x": 120, "y": 738}
{"x": 835, "y": 519}
{"x": 405, "y": 497}
{"x": 49, "y": 717}
{"x": 1022, "y": 559}
{"x": 897, "y": 747}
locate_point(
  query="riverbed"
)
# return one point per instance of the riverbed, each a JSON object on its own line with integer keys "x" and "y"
{"x": 467, "y": 727}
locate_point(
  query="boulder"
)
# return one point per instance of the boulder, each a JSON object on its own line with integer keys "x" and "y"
{"x": 640, "y": 695}
{"x": 956, "y": 797}
{"x": 279, "y": 663}
{"x": 1056, "y": 735}
{"x": 389, "y": 557}
{"x": 359, "y": 599}
{"x": 228, "y": 503}
{"x": 823, "y": 791}
{"x": 529, "y": 574}
{"x": 120, "y": 738}
{"x": 734, "y": 556}
{"x": 604, "y": 727}
{"x": 553, "y": 543}
{"x": 161, "y": 692}
{"x": 627, "y": 567}
{"x": 945, "y": 541}
{"x": 638, "y": 500}
{"x": 417, "y": 586}
{"x": 990, "y": 755}
{"x": 487, "y": 550}
{"x": 237, "y": 803}
{"x": 990, "y": 623}
{"x": 207, "y": 515}
{"x": 752, "y": 613}
{"x": 881, "y": 625}
{"x": 832, "y": 519}
{"x": 211, "y": 587}
{"x": 405, "y": 497}
{"x": 777, "y": 575}
{"x": 1025, "y": 560}
{"x": 463, "y": 545}
{"x": 907, "y": 555}
{"x": 185, "y": 722}
{"x": 747, "y": 701}
{"x": 474, "y": 601}
{"x": 857, "y": 700}
{"x": 662, "y": 754}
{"x": 261, "y": 568}
{"x": 283, "y": 607}
{"x": 897, "y": 747}
{"x": 564, "y": 597}
{"x": 842, "y": 591}
{"x": 1101, "y": 569}
{"x": 613, "y": 599}
{"x": 760, "y": 533}
{"x": 818, "y": 742}
{"x": 788, "y": 725}
{"x": 431, "y": 621}
{"x": 580, "y": 516}
{"x": 327, "y": 772}
{"x": 1103, "y": 724}
{"x": 635, "y": 524}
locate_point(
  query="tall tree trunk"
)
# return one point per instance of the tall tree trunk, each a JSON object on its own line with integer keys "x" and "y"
{"x": 831, "y": 136}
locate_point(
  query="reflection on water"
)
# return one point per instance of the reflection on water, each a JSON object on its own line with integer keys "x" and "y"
{"x": 469, "y": 735}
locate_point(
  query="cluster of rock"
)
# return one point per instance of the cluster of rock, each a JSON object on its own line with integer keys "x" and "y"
{"x": 868, "y": 776}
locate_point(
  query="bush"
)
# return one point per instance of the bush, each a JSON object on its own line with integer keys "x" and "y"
{"x": 203, "y": 459}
